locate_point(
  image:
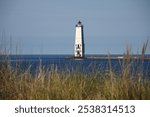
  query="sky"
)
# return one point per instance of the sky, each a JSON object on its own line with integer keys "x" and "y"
{"x": 48, "y": 26}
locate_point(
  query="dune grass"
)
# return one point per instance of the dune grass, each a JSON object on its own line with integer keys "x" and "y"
{"x": 51, "y": 84}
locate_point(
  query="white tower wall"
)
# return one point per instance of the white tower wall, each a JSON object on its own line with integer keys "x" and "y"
{"x": 79, "y": 41}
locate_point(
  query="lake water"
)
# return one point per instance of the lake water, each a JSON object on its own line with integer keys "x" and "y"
{"x": 83, "y": 65}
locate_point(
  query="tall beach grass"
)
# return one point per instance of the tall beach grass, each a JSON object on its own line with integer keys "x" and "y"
{"x": 51, "y": 84}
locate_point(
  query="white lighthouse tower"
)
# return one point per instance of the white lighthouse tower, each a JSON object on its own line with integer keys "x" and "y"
{"x": 79, "y": 41}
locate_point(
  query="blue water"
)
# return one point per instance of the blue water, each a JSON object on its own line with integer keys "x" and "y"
{"x": 57, "y": 61}
{"x": 61, "y": 63}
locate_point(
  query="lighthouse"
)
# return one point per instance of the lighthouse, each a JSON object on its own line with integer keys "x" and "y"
{"x": 79, "y": 41}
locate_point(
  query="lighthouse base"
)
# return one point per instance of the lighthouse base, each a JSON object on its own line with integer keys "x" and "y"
{"x": 74, "y": 57}
{"x": 77, "y": 57}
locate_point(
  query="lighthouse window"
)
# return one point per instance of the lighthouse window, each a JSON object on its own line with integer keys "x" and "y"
{"x": 78, "y": 46}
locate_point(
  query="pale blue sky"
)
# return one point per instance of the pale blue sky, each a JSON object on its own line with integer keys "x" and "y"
{"x": 48, "y": 26}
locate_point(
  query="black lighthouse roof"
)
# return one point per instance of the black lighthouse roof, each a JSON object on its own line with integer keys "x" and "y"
{"x": 79, "y": 24}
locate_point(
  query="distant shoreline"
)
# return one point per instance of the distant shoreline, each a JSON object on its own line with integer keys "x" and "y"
{"x": 109, "y": 57}
{"x": 113, "y": 56}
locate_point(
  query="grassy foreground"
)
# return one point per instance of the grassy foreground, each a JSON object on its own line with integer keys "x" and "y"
{"x": 51, "y": 84}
